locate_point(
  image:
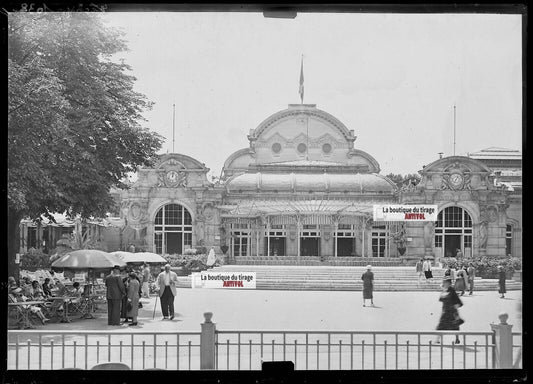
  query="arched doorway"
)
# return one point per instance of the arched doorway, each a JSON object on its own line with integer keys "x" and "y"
{"x": 172, "y": 229}
{"x": 454, "y": 231}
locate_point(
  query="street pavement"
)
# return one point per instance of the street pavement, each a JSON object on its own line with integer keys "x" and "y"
{"x": 235, "y": 309}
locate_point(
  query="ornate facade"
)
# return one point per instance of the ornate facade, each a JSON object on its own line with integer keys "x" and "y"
{"x": 302, "y": 188}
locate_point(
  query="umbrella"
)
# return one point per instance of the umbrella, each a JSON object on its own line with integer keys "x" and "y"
{"x": 140, "y": 257}
{"x": 85, "y": 259}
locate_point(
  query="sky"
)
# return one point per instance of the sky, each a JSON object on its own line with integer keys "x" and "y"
{"x": 392, "y": 78}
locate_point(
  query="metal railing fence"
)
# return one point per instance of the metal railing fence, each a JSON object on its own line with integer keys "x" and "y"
{"x": 247, "y": 349}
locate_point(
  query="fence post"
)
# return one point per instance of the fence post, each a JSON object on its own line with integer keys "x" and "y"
{"x": 503, "y": 343}
{"x": 207, "y": 343}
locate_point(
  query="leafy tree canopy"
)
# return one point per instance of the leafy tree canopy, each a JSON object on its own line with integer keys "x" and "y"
{"x": 401, "y": 180}
{"x": 73, "y": 115}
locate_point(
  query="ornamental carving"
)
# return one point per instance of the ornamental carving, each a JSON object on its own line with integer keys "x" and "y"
{"x": 456, "y": 181}
{"x": 172, "y": 178}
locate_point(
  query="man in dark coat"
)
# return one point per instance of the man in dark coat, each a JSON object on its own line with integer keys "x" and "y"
{"x": 115, "y": 293}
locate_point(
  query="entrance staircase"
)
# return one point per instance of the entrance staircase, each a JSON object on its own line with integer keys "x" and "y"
{"x": 316, "y": 260}
{"x": 336, "y": 278}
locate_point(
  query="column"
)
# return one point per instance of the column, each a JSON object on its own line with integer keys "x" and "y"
{"x": 268, "y": 235}
{"x": 335, "y": 229}
{"x": 298, "y": 225}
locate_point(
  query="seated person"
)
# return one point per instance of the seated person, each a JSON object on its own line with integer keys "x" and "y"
{"x": 20, "y": 297}
{"x": 36, "y": 292}
{"x": 11, "y": 284}
{"x": 59, "y": 288}
{"x": 46, "y": 288}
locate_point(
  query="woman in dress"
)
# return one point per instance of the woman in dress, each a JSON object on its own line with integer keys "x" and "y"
{"x": 133, "y": 298}
{"x": 460, "y": 281}
{"x": 501, "y": 282}
{"x": 368, "y": 285}
{"x": 449, "y": 319}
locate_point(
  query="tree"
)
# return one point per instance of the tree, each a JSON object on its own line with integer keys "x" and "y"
{"x": 73, "y": 118}
{"x": 401, "y": 181}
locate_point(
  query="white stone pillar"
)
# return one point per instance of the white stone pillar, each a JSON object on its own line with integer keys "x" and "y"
{"x": 207, "y": 342}
{"x": 503, "y": 343}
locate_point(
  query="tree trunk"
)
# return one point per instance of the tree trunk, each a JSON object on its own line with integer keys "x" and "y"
{"x": 13, "y": 241}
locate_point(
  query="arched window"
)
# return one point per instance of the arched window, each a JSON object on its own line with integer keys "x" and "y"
{"x": 172, "y": 229}
{"x": 453, "y": 232}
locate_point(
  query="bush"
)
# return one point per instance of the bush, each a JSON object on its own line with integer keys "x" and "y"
{"x": 32, "y": 261}
{"x": 188, "y": 262}
{"x": 486, "y": 267}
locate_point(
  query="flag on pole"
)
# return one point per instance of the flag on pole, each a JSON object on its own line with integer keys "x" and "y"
{"x": 302, "y": 80}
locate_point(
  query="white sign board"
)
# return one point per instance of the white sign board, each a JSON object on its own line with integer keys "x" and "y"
{"x": 229, "y": 280}
{"x": 405, "y": 212}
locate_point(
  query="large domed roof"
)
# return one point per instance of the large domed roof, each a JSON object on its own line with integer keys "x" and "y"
{"x": 309, "y": 182}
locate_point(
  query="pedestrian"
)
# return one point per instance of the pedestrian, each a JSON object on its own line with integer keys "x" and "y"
{"x": 449, "y": 318}
{"x": 419, "y": 269}
{"x": 501, "y": 282}
{"x": 124, "y": 303}
{"x": 114, "y": 295}
{"x": 166, "y": 281}
{"x": 459, "y": 254}
{"x": 427, "y": 269}
{"x": 460, "y": 280}
{"x": 368, "y": 285}
{"x": 146, "y": 281}
{"x": 471, "y": 276}
{"x": 133, "y": 299}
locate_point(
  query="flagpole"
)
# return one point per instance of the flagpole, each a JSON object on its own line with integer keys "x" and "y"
{"x": 454, "y": 129}
{"x": 173, "y": 124}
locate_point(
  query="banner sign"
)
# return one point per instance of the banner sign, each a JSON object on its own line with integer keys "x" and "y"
{"x": 229, "y": 280}
{"x": 407, "y": 212}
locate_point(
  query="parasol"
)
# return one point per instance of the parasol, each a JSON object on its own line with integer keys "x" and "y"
{"x": 140, "y": 257}
{"x": 85, "y": 259}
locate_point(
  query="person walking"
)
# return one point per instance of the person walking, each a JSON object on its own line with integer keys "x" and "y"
{"x": 368, "y": 285}
{"x": 419, "y": 269}
{"x": 146, "y": 281}
{"x": 427, "y": 269}
{"x": 459, "y": 254}
{"x": 449, "y": 318}
{"x": 471, "y": 276}
{"x": 460, "y": 280}
{"x": 166, "y": 281}
{"x": 114, "y": 294}
{"x": 501, "y": 282}
{"x": 133, "y": 299}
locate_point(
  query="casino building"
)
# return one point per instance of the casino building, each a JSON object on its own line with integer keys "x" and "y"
{"x": 303, "y": 190}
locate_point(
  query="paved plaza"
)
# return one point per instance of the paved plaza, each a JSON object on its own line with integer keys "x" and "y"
{"x": 310, "y": 310}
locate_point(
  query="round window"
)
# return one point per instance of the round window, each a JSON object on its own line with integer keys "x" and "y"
{"x": 301, "y": 147}
{"x": 326, "y": 148}
{"x": 276, "y": 147}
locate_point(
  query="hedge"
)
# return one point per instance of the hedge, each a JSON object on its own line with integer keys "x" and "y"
{"x": 486, "y": 267}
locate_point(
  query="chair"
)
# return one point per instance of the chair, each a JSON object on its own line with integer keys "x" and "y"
{"x": 54, "y": 309}
{"x": 22, "y": 313}
{"x": 110, "y": 367}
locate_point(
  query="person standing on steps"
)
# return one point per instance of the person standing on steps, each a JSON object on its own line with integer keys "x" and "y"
{"x": 419, "y": 270}
{"x": 167, "y": 281}
{"x": 427, "y": 269}
{"x": 368, "y": 285}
